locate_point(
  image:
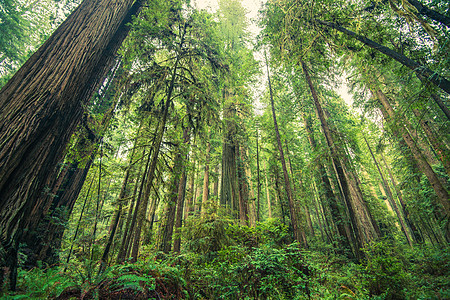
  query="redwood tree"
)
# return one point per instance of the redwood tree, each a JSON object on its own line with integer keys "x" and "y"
{"x": 41, "y": 105}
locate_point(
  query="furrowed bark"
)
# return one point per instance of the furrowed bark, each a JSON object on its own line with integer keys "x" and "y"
{"x": 41, "y": 105}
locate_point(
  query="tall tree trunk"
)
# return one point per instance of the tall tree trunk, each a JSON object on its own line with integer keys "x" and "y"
{"x": 421, "y": 71}
{"x": 242, "y": 187}
{"x": 287, "y": 184}
{"x": 258, "y": 204}
{"x": 389, "y": 195}
{"x": 328, "y": 196}
{"x": 190, "y": 194}
{"x": 439, "y": 147}
{"x": 176, "y": 196}
{"x": 79, "y": 222}
{"x": 205, "y": 193}
{"x": 179, "y": 216}
{"x": 269, "y": 205}
{"x": 355, "y": 207}
{"x": 425, "y": 11}
{"x": 424, "y": 166}
{"x": 414, "y": 232}
{"x": 122, "y": 195}
{"x": 127, "y": 232}
{"x": 252, "y": 210}
{"x": 41, "y": 105}
{"x": 229, "y": 193}
{"x": 216, "y": 182}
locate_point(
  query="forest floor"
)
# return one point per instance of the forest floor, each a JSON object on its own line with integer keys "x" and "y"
{"x": 249, "y": 263}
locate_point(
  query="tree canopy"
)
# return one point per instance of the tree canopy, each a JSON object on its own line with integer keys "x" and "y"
{"x": 152, "y": 149}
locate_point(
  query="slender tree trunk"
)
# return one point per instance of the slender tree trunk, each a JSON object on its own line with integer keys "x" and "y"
{"x": 120, "y": 200}
{"x": 79, "y": 222}
{"x": 414, "y": 232}
{"x": 421, "y": 71}
{"x": 179, "y": 216}
{"x": 258, "y": 205}
{"x": 216, "y": 182}
{"x": 328, "y": 196}
{"x": 269, "y": 205}
{"x": 390, "y": 196}
{"x": 439, "y": 147}
{"x": 424, "y": 166}
{"x": 205, "y": 194}
{"x": 242, "y": 187}
{"x": 190, "y": 194}
{"x": 127, "y": 233}
{"x": 97, "y": 207}
{"x": 180, "y": 206}
{"x": 251, "y": 196}
{"x": 291, "y": 201}
{"x": 176, "y": 197}
{"x": 425, "y": 11}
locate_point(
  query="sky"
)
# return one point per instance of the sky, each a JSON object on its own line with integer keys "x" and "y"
{"x": 253, "y": 7}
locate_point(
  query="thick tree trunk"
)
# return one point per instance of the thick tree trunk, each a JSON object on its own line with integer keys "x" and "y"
{"x": 42, "y": 104}
{"x": 359, "y": 216}
{"x": 229, "y": 194}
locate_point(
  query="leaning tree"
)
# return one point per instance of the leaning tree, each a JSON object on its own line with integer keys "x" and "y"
{"x": 41, "y": 106}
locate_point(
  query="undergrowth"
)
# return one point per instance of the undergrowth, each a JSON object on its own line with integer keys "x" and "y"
{"x": 222, "y": 260}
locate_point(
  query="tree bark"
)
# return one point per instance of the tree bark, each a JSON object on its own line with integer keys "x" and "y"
{"x": 120, "y": 200}
{"x": 258, "y": 205}
{"x": 328, "y": 196}
{"x": 287, "y": 184}
{"x": 41, "y": 105}
{"x": 229, "y": 193}
{"x": 359, "y": 216}
{"x": 414, "y": 232}
{"x": 425, "y": 11}
{"x": 439, "y": 147}
{"x": 242, "y": 187}
{"x": 269, "y": 205}
{"x": 390, "y": 196}
{"x": 179, "y": 216}
{"x": 205, "y": 193}
{"x": 424, "y": 166}
{"x": 422, "y": 71}
{"x": 176, "y": 197}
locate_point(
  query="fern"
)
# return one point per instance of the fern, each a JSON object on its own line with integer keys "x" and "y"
{"x": 133, "y": 281}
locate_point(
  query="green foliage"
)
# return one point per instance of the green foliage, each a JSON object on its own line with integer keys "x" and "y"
{"x": 207, "y": 236}
{"x": 383, "y": 273}
{"x": 42, "y": 282}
